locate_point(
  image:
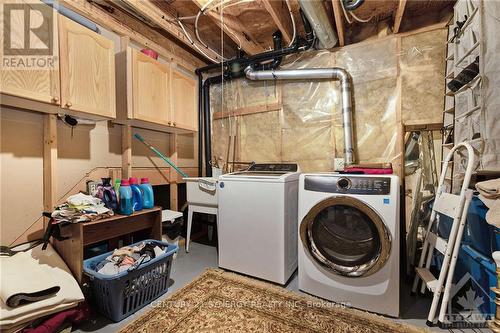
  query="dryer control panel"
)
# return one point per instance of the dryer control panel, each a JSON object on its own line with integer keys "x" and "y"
{"x": 348, "y": 184}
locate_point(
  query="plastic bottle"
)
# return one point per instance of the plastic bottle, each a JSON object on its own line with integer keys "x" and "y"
{"x": 116, "y": 186}
{"x": 126, "y": 203}
{"x": 148, "y": 200}
{"x": 136, "y": 194}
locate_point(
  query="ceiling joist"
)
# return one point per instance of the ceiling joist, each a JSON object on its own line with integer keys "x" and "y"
{"x": 281, "y": 17}
{"x": 234, "y": 29}
{"x": 399, "y": 16}
{"x": 123, "y": 25}
{"x": 168, "y": 23}
{"x": 339, "y": 21}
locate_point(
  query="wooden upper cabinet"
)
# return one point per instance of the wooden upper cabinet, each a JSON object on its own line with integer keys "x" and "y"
{"x": 34, "y": 84}
{"x": 184, "y": 97}
{"x": 154, "y": 95}
{"x": 150, "y": 89}
{"x": 87, "y": 65}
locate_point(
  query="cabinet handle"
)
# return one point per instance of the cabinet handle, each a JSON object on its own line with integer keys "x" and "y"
{"x": 68, "y": 104}
{"x": 55, "y": 99}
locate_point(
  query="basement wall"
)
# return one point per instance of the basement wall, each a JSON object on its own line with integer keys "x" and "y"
{"x": 397, "y": 80}
{"x": 90, "y": 152}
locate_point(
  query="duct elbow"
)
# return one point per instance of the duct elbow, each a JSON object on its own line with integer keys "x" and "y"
{"x": 250, "y": 73}
{"x": 342, "y": 75}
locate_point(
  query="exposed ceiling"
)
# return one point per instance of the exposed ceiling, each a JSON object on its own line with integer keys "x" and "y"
{"x": 228, "y": 25}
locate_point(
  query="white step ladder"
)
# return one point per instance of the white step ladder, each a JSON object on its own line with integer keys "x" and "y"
{"x": 454, "y": 206}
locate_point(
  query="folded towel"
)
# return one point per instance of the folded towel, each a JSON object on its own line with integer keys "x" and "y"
{"x": 490, "y": 188}
{"x": 17, "y": 287}
{"x": 81, "y": 199}
{"x": 54, "y": 269}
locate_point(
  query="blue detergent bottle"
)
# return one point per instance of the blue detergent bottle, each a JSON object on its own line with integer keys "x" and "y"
{"x": 136, "y": 194}
{"x": 148, "y": 200}
{"x": 126, "y": 204}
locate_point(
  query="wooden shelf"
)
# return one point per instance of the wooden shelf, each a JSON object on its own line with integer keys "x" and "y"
{"x": 84, "y": 234}
{"x": 153, "y": 126}
{"x": 22, "y": 103}
{"x": 423, "y": 127}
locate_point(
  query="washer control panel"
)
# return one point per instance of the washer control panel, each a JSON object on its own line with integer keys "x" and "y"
{"x": 348, "y": 184}
{"x": 278, "y": 167}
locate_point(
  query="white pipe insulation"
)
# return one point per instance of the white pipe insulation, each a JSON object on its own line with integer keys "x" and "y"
{"x": 318, "y": 18}
{"x": 334, "y": 73}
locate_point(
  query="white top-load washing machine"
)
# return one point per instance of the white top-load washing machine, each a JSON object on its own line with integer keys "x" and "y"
{"x": 257, "y": 221}
{"x": 349, "y": 239}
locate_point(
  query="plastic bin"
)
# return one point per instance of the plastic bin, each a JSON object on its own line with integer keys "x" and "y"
{"x": 483, "y": 272}
{"x": 119, "y": 296}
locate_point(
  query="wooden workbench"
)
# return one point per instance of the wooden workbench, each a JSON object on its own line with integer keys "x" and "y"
{"x": 82, "y": 235}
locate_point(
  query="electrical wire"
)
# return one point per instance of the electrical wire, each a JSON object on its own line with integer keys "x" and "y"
{"x": 195, "y": 45}
{"x": 353, "y": 15}
{"x": 183, "y": 18}
{"x": 360, "y": 19}
{"x": 197, "y": 32}
{"x": 234, "y": 35}
{"x": 205, "y": 9}
{"x": 294, "y": 27}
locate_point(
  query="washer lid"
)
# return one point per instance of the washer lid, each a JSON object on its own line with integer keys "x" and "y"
{"x": 258, "y": 173}
{"x": 266, "y": 172}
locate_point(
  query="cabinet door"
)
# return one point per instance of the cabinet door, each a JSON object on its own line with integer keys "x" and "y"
{"x": 87, "y": 70}
{"x": 185, "y": 96}
{"x": 36, "y": 84}
{"x": 151, "y": 89}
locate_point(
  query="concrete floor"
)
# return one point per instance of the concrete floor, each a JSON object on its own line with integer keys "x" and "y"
{"x": 187, "y": 266}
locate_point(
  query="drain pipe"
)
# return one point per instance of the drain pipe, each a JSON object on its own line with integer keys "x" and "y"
{"x": 232, "y": 70}
{"x": 200, "y": 125}
{"x": 335, "y": 73}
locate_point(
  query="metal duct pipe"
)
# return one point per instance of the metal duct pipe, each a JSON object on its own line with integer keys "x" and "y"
{"x": 335, "y": 73}
{"x": 315, "y": 13}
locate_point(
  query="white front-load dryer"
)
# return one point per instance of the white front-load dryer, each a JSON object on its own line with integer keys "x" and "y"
{"x": 348, "y": 249}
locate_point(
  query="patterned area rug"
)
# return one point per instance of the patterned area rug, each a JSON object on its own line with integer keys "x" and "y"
{"x": 219, "y": 301}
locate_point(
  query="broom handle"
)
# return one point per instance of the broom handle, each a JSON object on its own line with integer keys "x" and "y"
{"x": 163, "y": 157}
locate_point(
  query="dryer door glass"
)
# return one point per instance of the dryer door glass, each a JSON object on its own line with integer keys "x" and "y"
{"x": 346, "y": 236}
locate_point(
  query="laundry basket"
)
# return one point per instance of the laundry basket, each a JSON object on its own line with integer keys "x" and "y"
{"x": 118, "y": 296}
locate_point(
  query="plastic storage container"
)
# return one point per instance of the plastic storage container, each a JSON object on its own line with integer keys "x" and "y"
{"x": 479, "y": 241}
{"x": 483, "y": 272}
{"x": 136, "y": 194}
{"x": 119, "y": 296}
{"x": 148, "y": 200}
